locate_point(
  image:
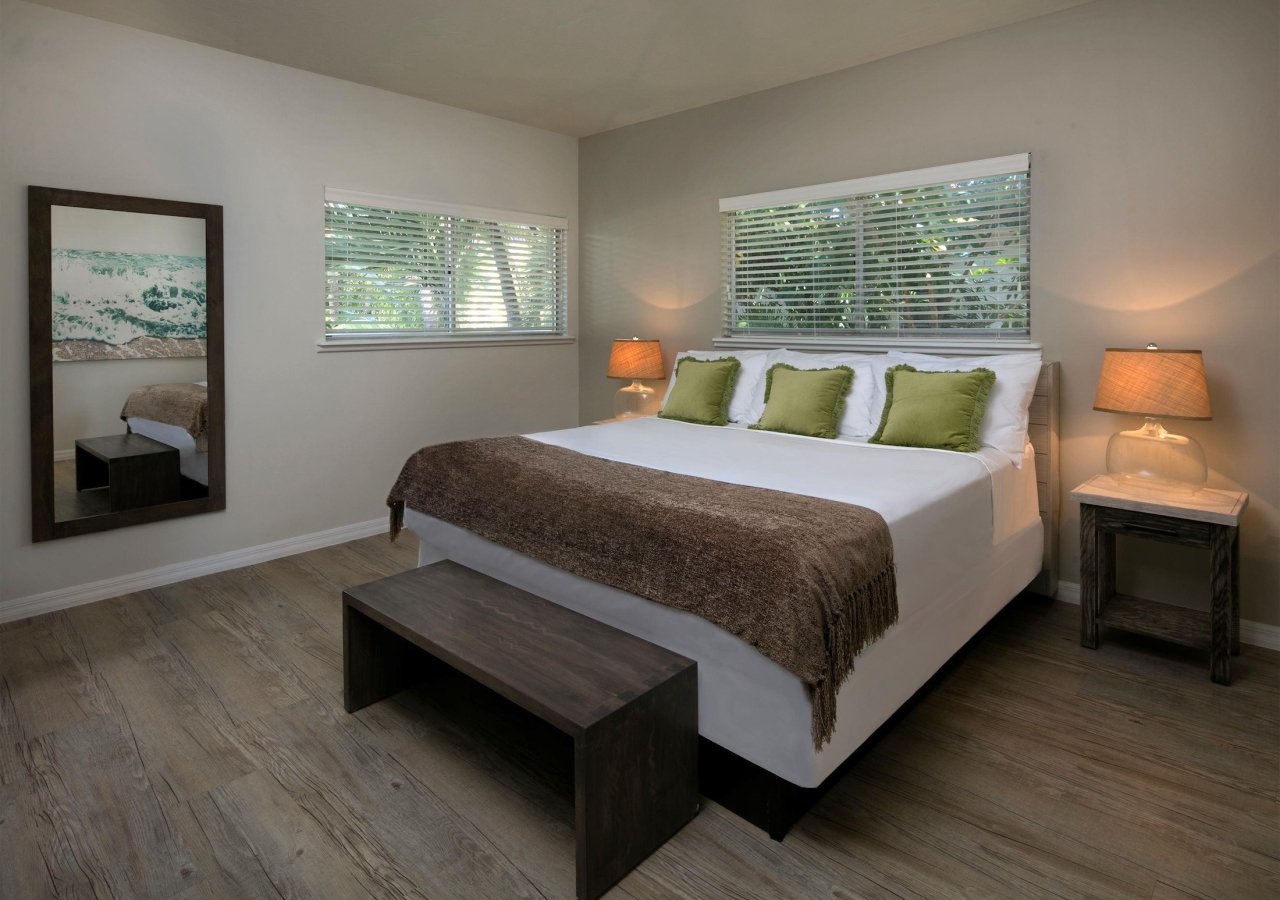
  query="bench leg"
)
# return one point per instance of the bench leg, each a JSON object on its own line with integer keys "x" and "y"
{"x": 91, "y": 472}
{"x": 137, "y": 481}
{"x": 635, "y": 782}
{"x": 376, "y": 662}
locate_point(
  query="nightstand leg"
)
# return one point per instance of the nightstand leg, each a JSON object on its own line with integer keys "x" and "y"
{"x": 1089, "y": 578}
{"x": 1235, "y": 591}
{"x": 1221, "y": 614}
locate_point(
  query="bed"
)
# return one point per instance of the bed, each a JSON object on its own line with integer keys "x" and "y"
{"x": 177, "y": 415}
{"x": 970, "y": 531}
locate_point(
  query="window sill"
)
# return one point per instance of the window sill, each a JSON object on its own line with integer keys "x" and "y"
{"x": 356, "y": 344}
{"x": 881, "y": 345}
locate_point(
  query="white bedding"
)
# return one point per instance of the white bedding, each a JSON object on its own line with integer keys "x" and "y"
{"x": 967, "y": 537}
{"x": 191, "y": 462}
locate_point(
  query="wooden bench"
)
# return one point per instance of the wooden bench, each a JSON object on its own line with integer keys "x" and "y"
{"x": 631, "y": 707}
{"x": 135, "y": 470}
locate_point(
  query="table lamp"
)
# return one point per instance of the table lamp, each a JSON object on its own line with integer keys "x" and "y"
{"x": 1156, "y": 384}
{"x": 634, "y": 359}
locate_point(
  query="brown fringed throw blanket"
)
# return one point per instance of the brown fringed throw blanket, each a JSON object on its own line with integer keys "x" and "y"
{"x": 185, "y": 405}
{"x": 807, "y": 582}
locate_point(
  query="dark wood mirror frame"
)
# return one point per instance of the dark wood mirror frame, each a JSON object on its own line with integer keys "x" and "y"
{"x": 40, "y": 202}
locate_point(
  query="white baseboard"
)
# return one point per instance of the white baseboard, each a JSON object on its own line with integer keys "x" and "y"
{"x": 1255, "y": 634}
{"x": 1259, "y": 634}
{"x": 64, "y": 598}
{"x": 63, "y": 455}
{"x": 1068, "y": 592}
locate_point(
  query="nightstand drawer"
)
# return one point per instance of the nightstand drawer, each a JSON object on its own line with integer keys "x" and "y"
{"x": 1148, "y": 525}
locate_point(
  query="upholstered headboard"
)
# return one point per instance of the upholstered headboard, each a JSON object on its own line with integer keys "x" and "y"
{"x": 1042, "y": 429}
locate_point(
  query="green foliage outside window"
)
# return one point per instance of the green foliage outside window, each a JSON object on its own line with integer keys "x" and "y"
{"x": 941, "y": 258}
{"x": 397, "y": 273}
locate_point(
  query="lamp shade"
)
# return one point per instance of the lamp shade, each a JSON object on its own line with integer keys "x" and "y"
{"x": 636, "y": 359}
{"x": 1153, "y": 382}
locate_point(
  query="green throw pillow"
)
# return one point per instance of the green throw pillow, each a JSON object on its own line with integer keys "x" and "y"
{"x": 942, "y": 410}
{"x": 702, "y": 391}
{"x": 804, "y": 401}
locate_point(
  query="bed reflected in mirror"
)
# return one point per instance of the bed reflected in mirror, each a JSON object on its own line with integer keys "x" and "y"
{"x": 126, "y": 358}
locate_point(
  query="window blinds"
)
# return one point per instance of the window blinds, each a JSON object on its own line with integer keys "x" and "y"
{"x": 935, "y": 251}
{"x": 404, "y": 269}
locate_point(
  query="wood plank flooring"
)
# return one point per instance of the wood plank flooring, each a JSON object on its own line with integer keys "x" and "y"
{"x": 68, "y": 503}
{"x": 189, "y": 741}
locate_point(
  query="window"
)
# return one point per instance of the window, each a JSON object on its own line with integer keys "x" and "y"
{"x": 404, "y": 269}
{"x": 941, "y": 252}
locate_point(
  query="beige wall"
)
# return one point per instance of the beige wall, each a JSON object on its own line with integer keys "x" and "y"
{"x": 1154, "y": 134}
{"x": 314, "y": 440}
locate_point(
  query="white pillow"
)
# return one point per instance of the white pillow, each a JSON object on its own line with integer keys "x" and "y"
{"x": 747, "y": 403}
{"x": 856, "y": 421}
{"x": 1004, "y": 425}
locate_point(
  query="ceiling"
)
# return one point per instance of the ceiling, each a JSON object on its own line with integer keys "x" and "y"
{"x": 573, "y": 66}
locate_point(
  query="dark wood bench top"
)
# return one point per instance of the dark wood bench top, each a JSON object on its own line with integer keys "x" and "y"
{"x": 118, "y": 446}
{"x": 562, "y": 666}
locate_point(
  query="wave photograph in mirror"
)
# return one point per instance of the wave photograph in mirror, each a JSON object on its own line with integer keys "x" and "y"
{"x": 127, "y": 285}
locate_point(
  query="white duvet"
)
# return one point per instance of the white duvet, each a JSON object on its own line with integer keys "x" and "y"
{"x": 956, "y": 504}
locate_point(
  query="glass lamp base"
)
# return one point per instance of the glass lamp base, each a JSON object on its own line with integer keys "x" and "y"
{"x": 632, "y": 400}
{"x": 1151, "y": 458}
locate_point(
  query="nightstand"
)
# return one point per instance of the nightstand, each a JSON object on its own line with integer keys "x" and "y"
{"x": 1209, "y": 519}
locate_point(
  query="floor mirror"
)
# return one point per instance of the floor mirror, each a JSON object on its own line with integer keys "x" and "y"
{"x": 126, "y": 321}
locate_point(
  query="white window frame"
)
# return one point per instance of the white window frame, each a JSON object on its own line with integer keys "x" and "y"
{"x": 961, "y": 342}
{"x": 391, "y": 341}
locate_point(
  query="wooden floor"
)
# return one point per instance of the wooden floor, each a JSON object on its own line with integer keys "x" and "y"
{"x": 189, "y": 741}
{"x": 69, "y": 503}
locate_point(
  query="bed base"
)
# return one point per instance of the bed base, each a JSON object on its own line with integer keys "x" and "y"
{"x": 774, "y": 804}
{"x": 190, "y": 489}
{"x": 755, "y": 794}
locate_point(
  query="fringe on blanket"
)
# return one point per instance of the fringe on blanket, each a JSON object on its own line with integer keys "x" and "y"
{"x": 875, "y": 608}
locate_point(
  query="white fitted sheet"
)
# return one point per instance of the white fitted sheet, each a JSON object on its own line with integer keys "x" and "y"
{"x": 967, "y": 537}
{"x": 191, "y": 462}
